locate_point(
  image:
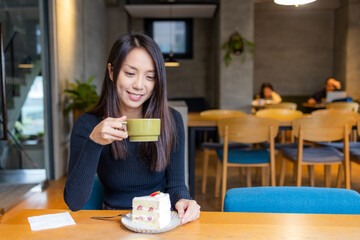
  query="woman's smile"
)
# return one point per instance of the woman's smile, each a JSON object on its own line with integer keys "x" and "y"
{"x": 134, "y": 97}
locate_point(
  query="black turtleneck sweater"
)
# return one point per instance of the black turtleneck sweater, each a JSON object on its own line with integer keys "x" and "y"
{"x": 122, "y": 179}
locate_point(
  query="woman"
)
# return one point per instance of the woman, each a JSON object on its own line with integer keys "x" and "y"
{"x": 267, "y": 95}
{"x": 134, "y": 87}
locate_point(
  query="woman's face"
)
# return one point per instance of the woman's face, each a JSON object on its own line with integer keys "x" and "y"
{"x": 267, "y": 92}
{"x": 135, "y": 82}
{"x": 329, "y": 85}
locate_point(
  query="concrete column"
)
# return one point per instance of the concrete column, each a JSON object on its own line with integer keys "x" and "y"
{"x": 236, "y": 80}
{"x": 353, "y": 50}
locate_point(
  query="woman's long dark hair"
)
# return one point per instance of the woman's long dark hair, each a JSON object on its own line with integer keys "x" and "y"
{"x": 265, "y": 85}
{"x": 155, "y": 154}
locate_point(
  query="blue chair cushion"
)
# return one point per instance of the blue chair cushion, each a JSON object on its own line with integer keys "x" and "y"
{"x": 318, "y": 155}
{"x": 246, "y": 156}
{"x": 284, "y": 145}
{"x": 312, "y": 200}
{"x": 215, "y": 145}
{"x": 339, "y": 145}
{"x": 97, "y": 196}
{"x": 355, "y": 153}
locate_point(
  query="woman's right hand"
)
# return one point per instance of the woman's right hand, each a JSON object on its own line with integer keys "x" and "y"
{"x": 109, "y": 130}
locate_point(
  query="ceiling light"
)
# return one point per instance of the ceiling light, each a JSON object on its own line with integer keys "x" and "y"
{"x": 293, "y": 2}
{"x": 23, "y": 65}
{"x": 171, "y": 61}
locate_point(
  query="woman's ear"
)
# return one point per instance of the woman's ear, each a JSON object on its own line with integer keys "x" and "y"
{"x": 110, "y": 71}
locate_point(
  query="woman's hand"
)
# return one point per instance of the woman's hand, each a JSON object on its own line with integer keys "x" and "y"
{"x": 188, "y": 210}
{"x": 109, "y": 130}
{"x": 335, "y": 83}
{"x": 311, "y": 101}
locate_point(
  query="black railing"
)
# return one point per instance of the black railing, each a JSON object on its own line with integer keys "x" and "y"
{"x": 2, "y": 83}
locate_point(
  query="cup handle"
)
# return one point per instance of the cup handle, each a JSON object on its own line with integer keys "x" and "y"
{"x": 125, "y": 124}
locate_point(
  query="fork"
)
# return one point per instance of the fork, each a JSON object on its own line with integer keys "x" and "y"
{"x": 105, "y": 218}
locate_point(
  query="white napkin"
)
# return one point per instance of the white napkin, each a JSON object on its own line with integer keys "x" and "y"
{"x": 51, "y": 221}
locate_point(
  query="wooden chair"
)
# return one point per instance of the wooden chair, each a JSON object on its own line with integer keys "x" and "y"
{"x": 350, "y": 106}
{"x": 247, "y": 129}
{"x": 281, "y": 114}
{"x": 217, "y": 114}
{"x": 211, "y": 147}
{"x": 286, "y": 105}
{"x": 336, "y": 111}
{"x": 355, "y": 150}
{"x": 319, "y": 129}
{"x": 342, "y": 112}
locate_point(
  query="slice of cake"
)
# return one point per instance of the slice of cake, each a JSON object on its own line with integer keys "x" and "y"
{"x": 153, "y": 211}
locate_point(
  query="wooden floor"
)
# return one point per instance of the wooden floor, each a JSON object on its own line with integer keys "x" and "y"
{"x": 52, "y": 197}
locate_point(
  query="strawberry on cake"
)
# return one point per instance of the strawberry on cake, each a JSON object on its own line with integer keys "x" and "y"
{"x": 153, "y": 211}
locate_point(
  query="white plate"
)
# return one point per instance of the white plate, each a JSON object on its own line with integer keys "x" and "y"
{"x": 135, "y": 227}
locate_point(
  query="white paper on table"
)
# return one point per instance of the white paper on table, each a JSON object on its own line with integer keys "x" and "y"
{"x": 50, "y": 221}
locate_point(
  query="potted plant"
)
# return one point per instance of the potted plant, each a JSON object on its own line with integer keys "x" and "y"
{"x": 81, "y": 97}
{"x": 236, "y": 45}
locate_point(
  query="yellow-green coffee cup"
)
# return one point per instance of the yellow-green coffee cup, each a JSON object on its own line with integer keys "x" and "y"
{"x": 143, "y": 129}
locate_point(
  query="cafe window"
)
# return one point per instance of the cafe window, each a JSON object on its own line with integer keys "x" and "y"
{"x": 171, "y": 35}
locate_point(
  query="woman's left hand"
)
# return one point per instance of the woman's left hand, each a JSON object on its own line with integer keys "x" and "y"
{"x": 188, "y": 210}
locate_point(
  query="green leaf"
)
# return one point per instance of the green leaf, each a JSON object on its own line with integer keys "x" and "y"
{"x": 90, "y": 79}
{"x": 80, "y": 95}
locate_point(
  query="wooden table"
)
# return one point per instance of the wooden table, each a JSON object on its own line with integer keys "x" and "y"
{"x": 312, "y": 107}
{"x": 210, "y": 225}
{"x": 197, "y": 123}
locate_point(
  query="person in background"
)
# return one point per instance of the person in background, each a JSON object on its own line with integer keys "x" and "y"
{"x": 134, "y": 86}
{"x": 267, "y": 95}
{"x": 331, "y": 84}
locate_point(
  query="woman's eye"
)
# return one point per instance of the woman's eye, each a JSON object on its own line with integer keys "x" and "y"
{"x": 129, "y": 74}
{"x": 151, "y": 77}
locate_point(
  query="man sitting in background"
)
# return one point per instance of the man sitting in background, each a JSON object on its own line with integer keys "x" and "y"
{"x": 331, "y": 84}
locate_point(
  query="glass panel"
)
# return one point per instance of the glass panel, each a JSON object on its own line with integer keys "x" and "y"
{"x": 24, "y": 85}
{"x": 3, "y": 121}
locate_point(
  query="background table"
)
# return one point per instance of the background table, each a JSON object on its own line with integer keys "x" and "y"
{"x": 211, "y": 225}
{"x": 195, "y": 124}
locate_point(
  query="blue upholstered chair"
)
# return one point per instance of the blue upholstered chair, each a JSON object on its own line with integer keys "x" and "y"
{"x": 250, "y": 130}
{"x": 355, "y": 150}
{"x": 312, "y": 200}
{"x": 353, "y": 146}
{"x": 97, "y": 196}
{"x": 317, "y": 129}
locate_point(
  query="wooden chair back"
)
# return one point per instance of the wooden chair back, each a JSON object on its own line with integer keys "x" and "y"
{"x": 248, "y": 129}
{"x": 337, "y": 112}
{"x": 217, "y": 114}
{"x": 322, "y": 128}
{"x": 350, "y": 106}
{"x": 286, "y": 105}
{"x": 280, "y": 114}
